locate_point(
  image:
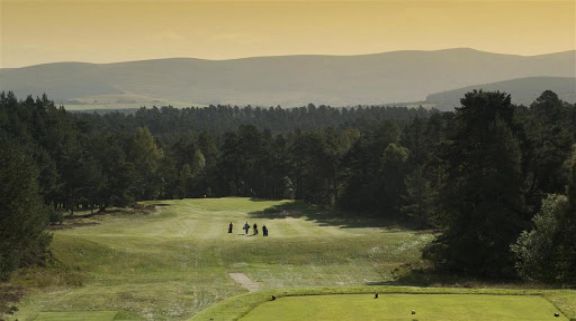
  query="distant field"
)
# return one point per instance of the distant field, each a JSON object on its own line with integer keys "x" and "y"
{"x": 399, "y": 307}
{"x": 170, "y": 264}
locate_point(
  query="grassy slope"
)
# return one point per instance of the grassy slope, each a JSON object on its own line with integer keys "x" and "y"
{"x": 174, "y": 263}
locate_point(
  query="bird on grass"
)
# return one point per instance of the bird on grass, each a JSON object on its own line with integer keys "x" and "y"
{"x": 273, "y": 298}
{"x": 557, "y": 314}
{"x": 413, "y": 312}
{"x": 375, "y": 295}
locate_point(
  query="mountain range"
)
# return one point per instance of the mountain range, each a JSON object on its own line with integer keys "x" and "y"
{"x": 431, "y": 78}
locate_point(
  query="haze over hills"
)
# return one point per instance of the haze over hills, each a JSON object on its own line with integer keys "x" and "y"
{"x": 523, "y": 90}
{"x": 386, "y": 78}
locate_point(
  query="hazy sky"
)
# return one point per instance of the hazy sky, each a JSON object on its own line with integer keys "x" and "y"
{"x": 40, "y": 31}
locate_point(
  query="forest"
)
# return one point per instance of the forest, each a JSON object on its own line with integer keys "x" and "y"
{"x": 496, "y": 180}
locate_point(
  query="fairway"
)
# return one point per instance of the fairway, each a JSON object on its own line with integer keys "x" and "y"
{"x": 399, "y": 307}
{"x": 178, "y": 260}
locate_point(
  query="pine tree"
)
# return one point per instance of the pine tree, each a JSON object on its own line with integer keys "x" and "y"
{"x": 482, "y": 201}
{"x": 23, "y": 215}
{"x": 145, "y": 154}
{"x": 419, "y": 199}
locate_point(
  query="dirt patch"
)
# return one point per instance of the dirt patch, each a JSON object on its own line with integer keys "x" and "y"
{"x": 245, "y": 281}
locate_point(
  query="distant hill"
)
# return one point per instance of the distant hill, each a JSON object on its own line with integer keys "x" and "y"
{"x": 286, "y": 80}
{"x": 523, "y": 91}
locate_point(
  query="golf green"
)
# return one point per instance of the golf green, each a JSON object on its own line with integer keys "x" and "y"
{"x": 400, "y": 307}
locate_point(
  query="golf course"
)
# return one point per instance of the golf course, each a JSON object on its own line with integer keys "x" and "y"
{"x": 175, "y": 261}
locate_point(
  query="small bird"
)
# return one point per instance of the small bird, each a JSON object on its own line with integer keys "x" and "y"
{"x": 375, "y": 295}
{"x": 273, "y": 298}
{"x": 557, "y": 314}
{"x": 413, "y": 312}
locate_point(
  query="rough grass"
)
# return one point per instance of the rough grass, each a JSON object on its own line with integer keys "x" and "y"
{"x": 171, "y": 264}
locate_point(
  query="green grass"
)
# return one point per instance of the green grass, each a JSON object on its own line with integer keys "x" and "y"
{"x": 173, "y": 264}
{"x": 76, "y": 316}
{"x": 490, "y": 301}
{"x": 86, "y": 316}
{"x": 398, "y": 307}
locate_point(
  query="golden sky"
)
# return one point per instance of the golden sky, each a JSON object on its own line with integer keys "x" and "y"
{"x": 39, "y": 31}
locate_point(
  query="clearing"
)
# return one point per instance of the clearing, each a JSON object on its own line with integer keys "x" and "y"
{"x": 175, "y": 262}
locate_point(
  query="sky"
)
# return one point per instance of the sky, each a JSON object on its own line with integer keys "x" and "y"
{"x": 101, "y": 31}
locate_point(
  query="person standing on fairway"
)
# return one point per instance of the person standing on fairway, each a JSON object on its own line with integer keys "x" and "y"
{"x": 246, "y": 228}
{"x": 255, "y": 227}
{"x": 264, "y": 231}
{"x": 230, "y": 227}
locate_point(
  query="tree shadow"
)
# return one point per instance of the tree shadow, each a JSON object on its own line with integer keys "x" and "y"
{"x": 328, "y": 216}
{"x": 423, "y": 274}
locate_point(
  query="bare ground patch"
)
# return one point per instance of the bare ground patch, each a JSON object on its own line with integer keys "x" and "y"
{"x": 244, "y": 281}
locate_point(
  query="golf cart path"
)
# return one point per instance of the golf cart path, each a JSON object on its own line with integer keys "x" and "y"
{"x": 245, "y": 281}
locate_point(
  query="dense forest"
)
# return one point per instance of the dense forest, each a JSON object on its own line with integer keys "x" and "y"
{"x": 498, "y": 181}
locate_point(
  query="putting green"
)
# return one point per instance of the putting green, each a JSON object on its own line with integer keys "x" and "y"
{"x": 399, "y": 307}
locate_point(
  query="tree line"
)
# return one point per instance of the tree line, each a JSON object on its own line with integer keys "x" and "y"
{"x": 496, "y": 180}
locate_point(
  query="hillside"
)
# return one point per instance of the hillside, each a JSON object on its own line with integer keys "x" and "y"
{"x": 523, "y": 91}
{"x": 285, "y": 80}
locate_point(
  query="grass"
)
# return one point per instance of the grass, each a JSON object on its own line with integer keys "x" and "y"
{"x": 433, "y": 303}
{"x": 173, "y": 263}
{"x": 75, "y": 316}
{"x": 397, "y": 307}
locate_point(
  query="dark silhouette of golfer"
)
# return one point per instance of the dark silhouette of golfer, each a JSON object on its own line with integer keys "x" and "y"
{"x": 246, "y": 228}
{"x": 264, "y": 231}
{"x": 230, "y": 227}
{"x": 255, "y": 227}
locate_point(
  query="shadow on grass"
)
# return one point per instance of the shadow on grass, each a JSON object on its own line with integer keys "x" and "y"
{"x": 423, "y": 274}
{"x": 328, "y": 217}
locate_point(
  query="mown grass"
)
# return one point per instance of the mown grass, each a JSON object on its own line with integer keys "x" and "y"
{"x": 397, "y": 307}
{"x": 173, "y": 263}
{"x": 500, "y": 304}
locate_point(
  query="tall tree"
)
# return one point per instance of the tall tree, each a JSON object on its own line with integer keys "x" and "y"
{"x": 391, "y": 180}
{"x": 146, "y": 155}
{"x": 23, "y": 215}
{"x": 549, "y": 141}
{"x": 482, "y": 204}
{"x": 419, "y": 201}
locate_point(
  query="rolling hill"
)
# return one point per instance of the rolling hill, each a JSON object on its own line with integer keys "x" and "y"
{"x": 383, "y": 78}
{"x": 523, "y": 91}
